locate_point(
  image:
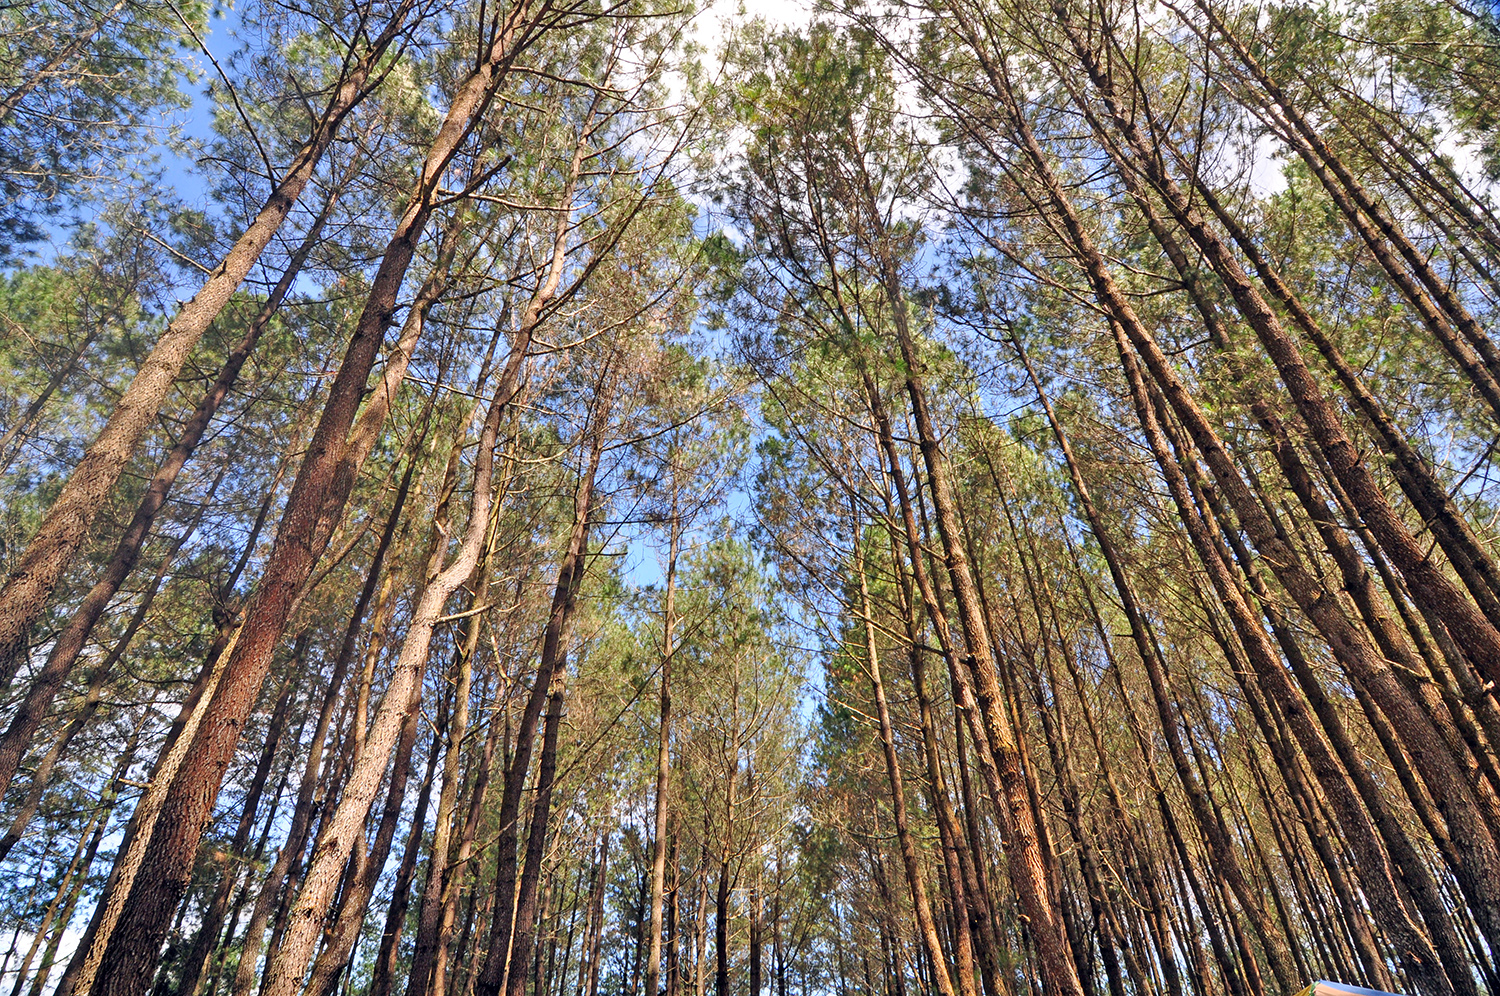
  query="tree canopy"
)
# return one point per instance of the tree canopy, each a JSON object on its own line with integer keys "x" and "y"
{"x": 568, "y": 498}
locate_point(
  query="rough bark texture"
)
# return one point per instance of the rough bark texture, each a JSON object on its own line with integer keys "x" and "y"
{"x": 68, "y": 520}
{"x": 318, "y": 496}
{"x": 70, "y": 642}
{"x": 915, "y": 875}
{"x": 397, "y": 712}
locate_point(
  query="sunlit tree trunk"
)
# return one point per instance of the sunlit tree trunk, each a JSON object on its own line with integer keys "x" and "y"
{"x": 66, "y": 525}
{"x": 915, "y": 875}
{"x": 70, "y": 642}
{"x": 663, "y": 752}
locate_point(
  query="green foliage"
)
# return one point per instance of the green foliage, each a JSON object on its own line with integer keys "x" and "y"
{"x": 84, "y": 88}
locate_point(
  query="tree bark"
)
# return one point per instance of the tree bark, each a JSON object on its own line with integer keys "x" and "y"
{"x": 437, "y": 891}
{"x": 318, "y": 497}
{"x": 354, "y": 906}
{"x": 66, "y": 524}
{"x": 915, "y": 879}
{"x": 71, "y": 641}
{"x": 510, "y": 932}
{"x": 1482, "y": 862}
{"x": 212, "y": 920}
{"x": 85, "y": 710}
{"x": 397, "y": 712}
{"x": 1029, "y": 872}
{"x": 663, "y": 752}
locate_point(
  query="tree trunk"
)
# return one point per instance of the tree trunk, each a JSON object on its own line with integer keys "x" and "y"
{"x": 915, "y": 879}
{"x": 721, "y": 911}
{"x": 318, "y": 497}
{"x": 663, "y": 755}
{"x": 212, "y": 920}
{"x": 510, "y": 934}
{"x": 70, "y": 642}
{"x": 755, "y": 938}
{"x": 1348, "y": 644}
{"x": 1029, "y": 871}
{"x": 437, "y": 892}
{"x": 354, "y": 905}
{"x": 66, "y": 525}
{"x": 589, "y": 982}
{"x": 306, "y": 809}
{"x": 397, "y": 712}
{"x": 527, "y": 907}
{"x": 86, "y": 709}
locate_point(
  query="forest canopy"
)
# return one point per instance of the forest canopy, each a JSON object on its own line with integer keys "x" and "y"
{"x": 592, "y": 498}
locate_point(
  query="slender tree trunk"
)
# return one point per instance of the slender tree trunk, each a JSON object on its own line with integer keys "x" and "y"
{"x": 1348, "y": 644}
{"x": 1029, "y": 871}
{"x": 92, "y": 699}
{"x": 437, "y": 893}
{"x": 673, "y": 917}
{"x": 971, "y": 913}
{"x": 397, "y": 711}
{"x": 24, "y": 422}
{"x": 71, "y": 641}
{"x": 510, "y": 948}
{"x": 66, "y": 525}
{"x": 700, "y": 923}
{"x": 915, "y": 878}
{"x": 663, "y": 754}
{"x": 590, "y": 982}
{"x": 721, "y": 909}
{"x": 401, "y": 890}
{"x": 756, "y": 975}
{"x": 73, "y": 880}
{"x": 212, "y": 921}
{"x": 49, "y": 915}
{"x": 528, "y": 909}
{"x": 317, "y": 501}
{"x": 339, "y": 941}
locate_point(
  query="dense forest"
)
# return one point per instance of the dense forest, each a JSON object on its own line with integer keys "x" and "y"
{"x": 605, "y": 498}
